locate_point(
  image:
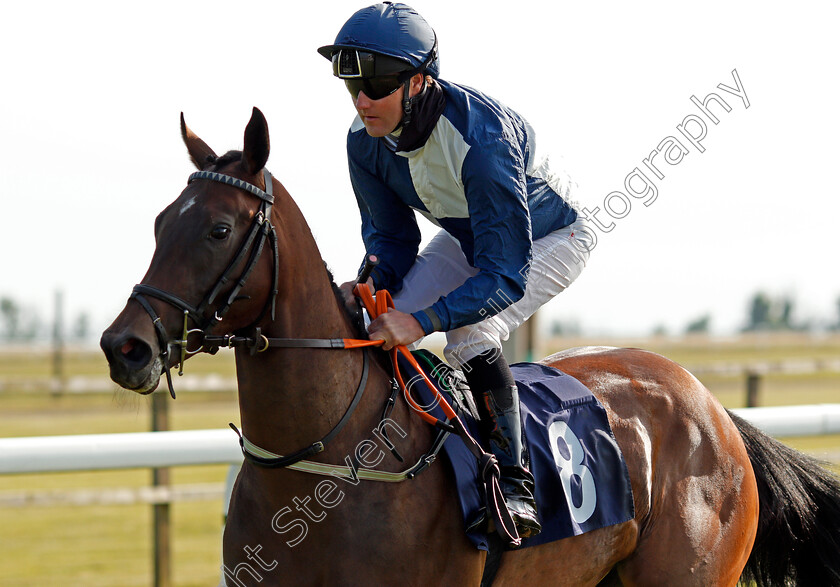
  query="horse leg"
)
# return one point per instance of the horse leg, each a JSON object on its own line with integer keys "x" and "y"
{"x": 703, "y": 512}
{"x": 690, "y": 543}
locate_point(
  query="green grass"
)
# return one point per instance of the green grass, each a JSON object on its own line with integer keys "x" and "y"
{"x": 111, "y": 545}
{"x": 106, "y": 545}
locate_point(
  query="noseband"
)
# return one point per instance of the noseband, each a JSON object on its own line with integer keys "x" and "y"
{"x": 261, "y": 230}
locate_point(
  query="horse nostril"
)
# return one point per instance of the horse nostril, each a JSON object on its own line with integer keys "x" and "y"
{"x": 135, "y": 353}
{"x": 128, "y": 348}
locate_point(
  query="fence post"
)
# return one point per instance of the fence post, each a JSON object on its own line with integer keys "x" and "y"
{"x": 59, "y": 378}
{"x": 523, "y": 343}
{"x": 753, "y": 385}
{"x": 160, "y": 511}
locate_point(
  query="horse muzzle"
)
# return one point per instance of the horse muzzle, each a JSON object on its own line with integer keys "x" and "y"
{"x": 134, "y": 364}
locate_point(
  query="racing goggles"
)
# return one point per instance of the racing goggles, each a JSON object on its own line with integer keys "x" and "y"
{"x": 378, "y": 76}
{"x": 374, "y": 88}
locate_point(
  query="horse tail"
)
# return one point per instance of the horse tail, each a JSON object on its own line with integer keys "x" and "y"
{"x": 798, "y": 537}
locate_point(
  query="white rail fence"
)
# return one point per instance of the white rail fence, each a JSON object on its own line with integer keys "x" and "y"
{"x": 96, "y": 452}
{"x": 134, "y": 450}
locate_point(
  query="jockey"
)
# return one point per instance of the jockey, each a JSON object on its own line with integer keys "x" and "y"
{"x": 509, "y": 241}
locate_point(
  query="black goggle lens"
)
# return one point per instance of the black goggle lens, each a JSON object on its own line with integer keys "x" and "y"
{"x": 374, "y": 88}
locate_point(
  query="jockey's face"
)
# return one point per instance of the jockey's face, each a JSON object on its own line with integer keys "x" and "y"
{"x": 381, "y": 117}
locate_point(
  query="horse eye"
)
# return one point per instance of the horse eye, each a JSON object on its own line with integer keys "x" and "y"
{"x": 220, "y": 231}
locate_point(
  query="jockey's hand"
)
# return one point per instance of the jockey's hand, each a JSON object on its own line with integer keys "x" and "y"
{"x": 347, "y": 291}
{"x": 395, "y": 328}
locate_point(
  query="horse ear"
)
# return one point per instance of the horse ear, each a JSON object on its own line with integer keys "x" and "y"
{"x": 257, "y": 146}
{"x": 200, "y": 153}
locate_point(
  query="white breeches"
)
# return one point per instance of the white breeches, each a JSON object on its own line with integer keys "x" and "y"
{"x": 556, "y": 261}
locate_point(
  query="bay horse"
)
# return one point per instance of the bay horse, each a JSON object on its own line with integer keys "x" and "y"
{"x": 715, "y": 499}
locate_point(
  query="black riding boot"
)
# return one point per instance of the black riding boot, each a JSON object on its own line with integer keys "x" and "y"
{"x": 501, "y": 426}
{"x": 501, "y": 407}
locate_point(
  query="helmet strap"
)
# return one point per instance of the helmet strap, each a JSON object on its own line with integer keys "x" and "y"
{"x": 408, "y": 102}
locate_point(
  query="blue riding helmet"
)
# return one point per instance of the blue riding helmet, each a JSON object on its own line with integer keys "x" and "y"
{"x": 384, "y": 39}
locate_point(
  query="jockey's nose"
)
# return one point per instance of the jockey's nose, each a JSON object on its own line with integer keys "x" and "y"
{"x": 362, "y": 101}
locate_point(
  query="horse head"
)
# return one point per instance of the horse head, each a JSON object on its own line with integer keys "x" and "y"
{"x": 212, "y": 268}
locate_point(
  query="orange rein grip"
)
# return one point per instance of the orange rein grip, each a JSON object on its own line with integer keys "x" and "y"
{"x": 353, "y": 343}
{"x": 379, "y": 305}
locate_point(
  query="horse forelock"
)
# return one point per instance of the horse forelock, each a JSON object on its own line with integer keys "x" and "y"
{"x": 220, "y": 163}
{"x": 185, "y": 201}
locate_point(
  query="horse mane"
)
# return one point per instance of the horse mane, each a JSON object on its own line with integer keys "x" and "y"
{"x": 356, "y": 318}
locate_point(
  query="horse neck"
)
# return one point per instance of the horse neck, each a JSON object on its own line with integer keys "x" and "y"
{"x": 288, "y": 397}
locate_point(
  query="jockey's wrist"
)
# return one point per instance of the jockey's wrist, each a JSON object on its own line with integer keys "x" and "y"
{"x": 429, "y": 321}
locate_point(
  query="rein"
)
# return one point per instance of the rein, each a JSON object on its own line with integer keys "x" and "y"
{"x": 487, "y": 464}
{"x": 267, "y": 459}
{"x": 260, "y": 231}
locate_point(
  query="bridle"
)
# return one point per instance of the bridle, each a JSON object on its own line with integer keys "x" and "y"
{"x": 261, "y": 230}
{"x": 252, "y": 246}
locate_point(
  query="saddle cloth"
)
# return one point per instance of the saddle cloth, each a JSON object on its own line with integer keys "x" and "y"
{"x": 581, "y": 478}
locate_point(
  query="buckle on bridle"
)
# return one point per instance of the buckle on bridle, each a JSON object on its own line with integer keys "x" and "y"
{"x": 183, "y": 342}
{"x": 255, "y": 342}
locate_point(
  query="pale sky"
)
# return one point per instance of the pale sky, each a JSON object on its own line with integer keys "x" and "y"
{"x": 91, "y": 150}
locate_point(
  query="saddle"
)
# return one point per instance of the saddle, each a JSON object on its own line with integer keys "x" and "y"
{"x": 582, "y": 482}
